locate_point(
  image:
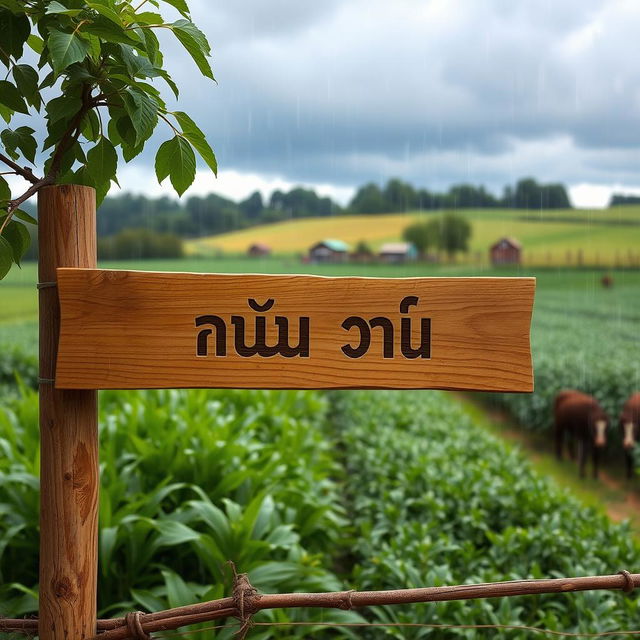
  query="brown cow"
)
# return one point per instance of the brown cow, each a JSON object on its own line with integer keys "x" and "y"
{"x": 630, "y": 428}
{"x": 579, "y": 417}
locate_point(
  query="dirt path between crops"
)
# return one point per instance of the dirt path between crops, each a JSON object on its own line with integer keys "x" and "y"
{"x": 612, "y": 492}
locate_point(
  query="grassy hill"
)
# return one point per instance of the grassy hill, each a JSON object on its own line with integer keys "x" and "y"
{"x": 607, "y": 237}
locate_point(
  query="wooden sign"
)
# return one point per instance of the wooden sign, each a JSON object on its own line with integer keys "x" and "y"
{"x": 132, "y": 330}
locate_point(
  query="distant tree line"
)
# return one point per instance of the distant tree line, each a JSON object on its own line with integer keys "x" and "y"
{"x": 154, "y": 226}
{"x": 214, "y": 214}
{"x": 622, "y": 199}
{"x": 140, "y": 244}
{"x": 399, "y": 196}
{"x": 209, "y": 215}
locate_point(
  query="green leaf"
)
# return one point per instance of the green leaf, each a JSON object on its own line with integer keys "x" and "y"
{"x": 14, "y": 31}
{"x": 178, "y": 592}
{"x": 180, "y": 5}
{"x": 5, "y": 192}
{"x": 56, "y": 7}
{"x": 105, "y": 9}
{"x": 22, "y": 138}
{"x": 6, "y": 257}
{"x": 143, "y": 111}
{"x": 10, "y": 97}
{"x": 26, "y": 79}
{"x": 107, "y": 31}
{"x": 107, "y": 541}
{"x": 270, "y": 574}
{"x": 173, "y": 533}
{"x": 24, "y": 216}
{"x": 6, "y": 113}
{"x": 63, "y": 108}
{"x": 91, "y": 126}
{"x": 124, "y": 130}
{"x": 169, "y": 80}
{"x": 8, "y": 137}
{"x": 152, "y": 46}
{"x": 16, "y": 234}
{"x": 195, "y": 136}
{"x": 137, "y": 65}
{"x": 69, "y": 157}
{"x": 36, "y": 43}
{"x": 147, "y": 600}
{"x": 195, "y": 42}
{"x": 65, "y": 49}
{"x": 149, "y": 17}
{"x": 175, "y": 158}
{"x": 95, "y": 49}
{"x": 102, "y": 161}
{"x": 130, "y": 152}
{"x": 82, "y": 176}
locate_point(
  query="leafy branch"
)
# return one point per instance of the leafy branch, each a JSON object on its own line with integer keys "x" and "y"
{"x": 93, "y": 55}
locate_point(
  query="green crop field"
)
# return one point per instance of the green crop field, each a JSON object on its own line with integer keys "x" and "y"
{"x": 308, "y": 491}
{"x": 604, "y": 237}
{"x": 318, "y": 491}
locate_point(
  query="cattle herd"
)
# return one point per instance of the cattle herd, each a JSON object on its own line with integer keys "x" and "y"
{"x": 581, "y": 423}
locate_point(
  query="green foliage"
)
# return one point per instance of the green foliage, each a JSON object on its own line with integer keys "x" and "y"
{"x": 436, "y": 500}
{"x": 17, "y": 363}
{"x": 618, "y": 199}
{"x": 528, "y": 194}
{"x": 399, "y": 196}
{"x": 421, "y": 235}
{"x": 97, "y": 60}
{"x": 452, "y": 233}
{"x": 585, "y": 341}
{"x": 140, "y": 244}
{"x": 363, "y": 249}
{"x": 203, "y": 215}
{"x": 189, "y": 480}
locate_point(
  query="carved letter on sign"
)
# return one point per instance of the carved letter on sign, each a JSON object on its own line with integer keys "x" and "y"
{"x": 134, "y": 330}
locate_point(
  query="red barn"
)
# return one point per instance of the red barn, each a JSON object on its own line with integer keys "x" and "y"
{"x": 258, "y": 250}
{"x": 506, "y": 251}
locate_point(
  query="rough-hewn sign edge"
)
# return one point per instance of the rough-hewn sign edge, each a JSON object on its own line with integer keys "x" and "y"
{"x": 78, "y": 287}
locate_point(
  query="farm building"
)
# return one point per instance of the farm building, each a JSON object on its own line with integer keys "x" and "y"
{"x": 329, "y": 251}
{"x": 259, "y": 250}
{"x": 397, "y": 252}
{"x": 505, "y": 251}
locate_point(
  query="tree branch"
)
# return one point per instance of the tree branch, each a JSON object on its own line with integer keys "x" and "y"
{"x": 72, "y": 132}
{"x": 246, "y": 601}
{"x": 14, "y": 204}
{"x": 68, "y": 138}
{"x": 24, "y": 172}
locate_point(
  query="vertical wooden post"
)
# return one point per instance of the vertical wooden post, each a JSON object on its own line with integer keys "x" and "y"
{"x": 68, "y": 432}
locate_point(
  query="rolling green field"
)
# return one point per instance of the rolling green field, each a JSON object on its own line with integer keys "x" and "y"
{"x": 565, "y": 237}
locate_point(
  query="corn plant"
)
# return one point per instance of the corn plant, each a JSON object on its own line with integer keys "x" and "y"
{"x": 189, "y": 481}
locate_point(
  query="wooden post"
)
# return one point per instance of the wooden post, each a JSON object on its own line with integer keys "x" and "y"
{"x": 68, "y": 432}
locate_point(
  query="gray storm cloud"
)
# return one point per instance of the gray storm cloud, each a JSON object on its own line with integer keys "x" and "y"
{"x": 435, "y": 91}
{"x": 340, "y": 92}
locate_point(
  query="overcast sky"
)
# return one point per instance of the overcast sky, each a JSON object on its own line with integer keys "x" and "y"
{"x": 336, "y": 93}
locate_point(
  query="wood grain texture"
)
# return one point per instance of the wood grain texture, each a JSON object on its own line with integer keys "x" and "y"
{"x": 128, "y": 329}
{"x": 68, "y": 433}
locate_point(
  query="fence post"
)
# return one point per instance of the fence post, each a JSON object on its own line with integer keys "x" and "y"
{"x": 68, "y": 432}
